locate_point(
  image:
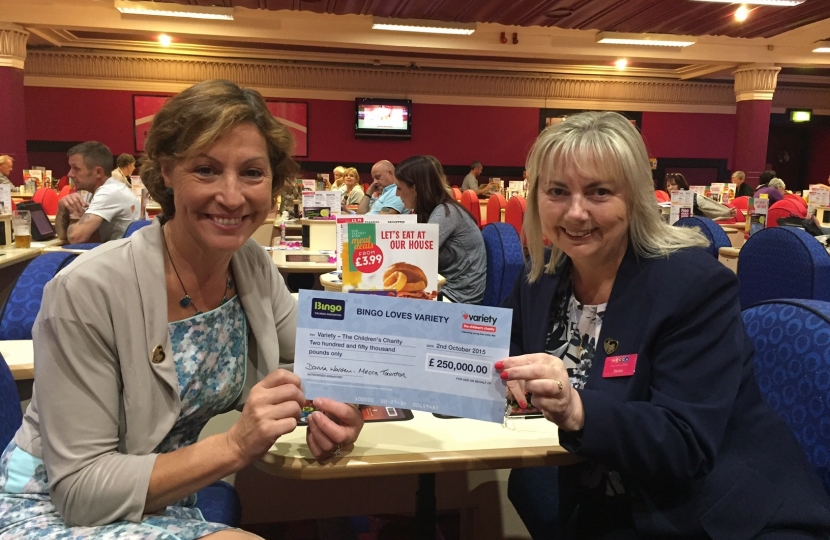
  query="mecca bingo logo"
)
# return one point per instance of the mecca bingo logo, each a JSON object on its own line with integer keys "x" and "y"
{"x": 324, "y": 308}
{"x": 479, "y": 323}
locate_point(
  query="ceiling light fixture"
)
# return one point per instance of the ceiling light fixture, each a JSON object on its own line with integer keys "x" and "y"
{"x": 822, "y": 47}
{"x": 165, "y": 40}
{"x": 621, "y": 64}
{"x": 131, "y": 7}
{"x": 777, "y": 3}
{"x": 653, "y": 40}
{"x": 741, "y": 14}
{"x": 420, "y": 25}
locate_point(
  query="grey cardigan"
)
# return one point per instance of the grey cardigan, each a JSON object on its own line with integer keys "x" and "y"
{"x": 100, "y": 404}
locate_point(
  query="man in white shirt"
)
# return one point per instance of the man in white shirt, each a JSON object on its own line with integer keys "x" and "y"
{"x": 112, "y": 206}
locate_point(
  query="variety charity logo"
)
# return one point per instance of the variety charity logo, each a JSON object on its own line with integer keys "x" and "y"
{"x": 478, "y": 323}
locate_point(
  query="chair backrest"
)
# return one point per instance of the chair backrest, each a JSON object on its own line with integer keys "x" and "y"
{"x": 38, "y": 196}
{"x": 19, "y": 312}
{"x": 10, "y": 414}
{"x": 64, "y": 191}
{"x": 711, "y": 230}
{"x": 783, "y": 262}
{"x": 741, "y": 202}
{"x": 783, "y": 209}
{"x": 469, "y": 200}
{"x": 514, "y": 213}
{"x": 505, "y": 261}
{"x": 791, "y": 339}
{"x": 135, "y": 225}
{"x": 49, "y": 201}
{"x": 662, "y": 196}
{"x": 797, "y": 198}
{"x": 456, "y": 193}
{"x": 494, "y": 206}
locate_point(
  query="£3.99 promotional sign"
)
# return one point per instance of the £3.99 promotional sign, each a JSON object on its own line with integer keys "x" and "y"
{"x": 392, "y": 259}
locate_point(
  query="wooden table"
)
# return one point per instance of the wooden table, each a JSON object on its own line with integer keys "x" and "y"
{"x": 425, "y": 445}
{"x": 19, "y": 355}
{"x": 26, "y": 195}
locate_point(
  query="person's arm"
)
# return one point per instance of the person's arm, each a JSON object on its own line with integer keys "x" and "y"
{"x": 72, "y": 204}
{"x": 366, "y": 202}
{"x": 84, "y": 230}
{"x": 387, "y": 210}
{"x": 484, "y": 189}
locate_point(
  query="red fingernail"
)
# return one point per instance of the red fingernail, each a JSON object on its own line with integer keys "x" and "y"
{"x": 499, "y": 365}
{"x": 523, "y": 404}
{"x": 503, "y": 375}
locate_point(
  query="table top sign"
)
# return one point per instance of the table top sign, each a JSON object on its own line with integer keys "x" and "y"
{"x": 5, "y": 199}
{"x": 393, "y": 352}
{"x": 817, "y": 198}
{"x": 682, "y": 203}
{"x": 343, "y": 219}
{"x": 396, "y": 259}
{"x": 716, "y": 190}
{"x": 321, "y": 204}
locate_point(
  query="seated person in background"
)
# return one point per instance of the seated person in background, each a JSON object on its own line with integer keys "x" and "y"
{"x": 471, "y": 181}
{"x": 703, "y": 206}
{"x": 383, "y": 185}
{"x": 338, "y": 184}
{"x": 6, "y": 165}
{"x": 685, "y": 445}
{"x": 774, "y": 190}
{"x": 743, "y": 189}
{"x": 124, "y": 167}
{"x": 140, "y": 345}
{"x": 353, "y": 192}
{"x": 462, "y": 258}
{"x": 112, "y": 206}
{"x": 764, "y": 178}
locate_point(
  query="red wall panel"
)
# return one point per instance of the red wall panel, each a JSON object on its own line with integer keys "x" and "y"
{"x": 689, "y": 135}
{"x": 818, "y": 168}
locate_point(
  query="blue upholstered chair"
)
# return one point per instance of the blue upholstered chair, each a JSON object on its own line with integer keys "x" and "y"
{"x": 135, "y": 225}
{"x": 505, "y": 261}
{"x": 711, "y": 230}
{"x": 87, "y": 245}
{"x": 10, "y": 415}
{"x": 792, "y": 367}
{"x": 783, "y": 262}
{"x": 19, "y": 312}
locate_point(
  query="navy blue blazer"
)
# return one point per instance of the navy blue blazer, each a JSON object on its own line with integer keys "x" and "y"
{"x": 699, "y": 451}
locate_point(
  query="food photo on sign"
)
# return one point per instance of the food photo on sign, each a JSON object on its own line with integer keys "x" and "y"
{"x": 392, "y": 260}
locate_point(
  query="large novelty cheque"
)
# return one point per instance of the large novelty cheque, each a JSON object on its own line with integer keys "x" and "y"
{"x": 395, "y": 352}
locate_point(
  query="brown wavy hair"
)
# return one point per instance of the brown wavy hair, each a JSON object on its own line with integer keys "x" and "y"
{"x": 421, "y": 173}
{"x": 195, "y": 119}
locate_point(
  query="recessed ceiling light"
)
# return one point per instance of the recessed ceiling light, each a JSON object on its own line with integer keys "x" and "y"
{"x": 654, "y": 40}
{"x": 425, "y": 26}
{"x": 165, "y": 40}
{"x": 741, "y": 14}
{"x": 621, "y": 64}
{"x": 132, "y": 7}
{"x": 779, "y": 3}
{"x": 559, "y": 13}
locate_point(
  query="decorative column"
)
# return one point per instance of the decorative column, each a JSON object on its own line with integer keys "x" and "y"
{"x": 12, "y": 116}
{"x": 754, "y": 87}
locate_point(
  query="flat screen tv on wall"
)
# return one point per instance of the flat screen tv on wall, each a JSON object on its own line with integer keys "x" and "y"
{"x": 383, "y": 118}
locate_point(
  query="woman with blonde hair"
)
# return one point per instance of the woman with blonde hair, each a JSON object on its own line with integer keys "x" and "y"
{"x": 141, "y": 341}
{"x": 629, "y": 338}
{"x": 353, "y": 192}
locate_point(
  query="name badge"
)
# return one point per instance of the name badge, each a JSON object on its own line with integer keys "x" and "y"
{"x": 619, "y": 366}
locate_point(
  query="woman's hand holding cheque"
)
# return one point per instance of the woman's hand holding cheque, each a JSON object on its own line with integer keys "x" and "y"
{"x": 271, "y": 410}
{"x": 331, "y": 426}
{"x": 545, "y": 377}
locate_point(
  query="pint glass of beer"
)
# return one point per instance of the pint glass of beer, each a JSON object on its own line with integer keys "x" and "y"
{"x": 22, "y": 227}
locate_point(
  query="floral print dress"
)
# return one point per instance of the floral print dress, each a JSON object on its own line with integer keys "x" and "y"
{"x": 209, "y": 351}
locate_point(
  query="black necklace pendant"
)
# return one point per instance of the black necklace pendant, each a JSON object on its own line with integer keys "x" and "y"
{"x": 185, "y": 301}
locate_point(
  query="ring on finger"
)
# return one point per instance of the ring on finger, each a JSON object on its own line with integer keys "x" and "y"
{"x": 336, "y": 451}
{"x": 559, "y": 383}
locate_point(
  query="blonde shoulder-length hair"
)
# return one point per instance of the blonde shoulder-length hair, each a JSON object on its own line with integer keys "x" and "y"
{"x": 606, "y": 146}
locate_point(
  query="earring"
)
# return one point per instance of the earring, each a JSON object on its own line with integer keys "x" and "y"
{"x": 169, "y": 191}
